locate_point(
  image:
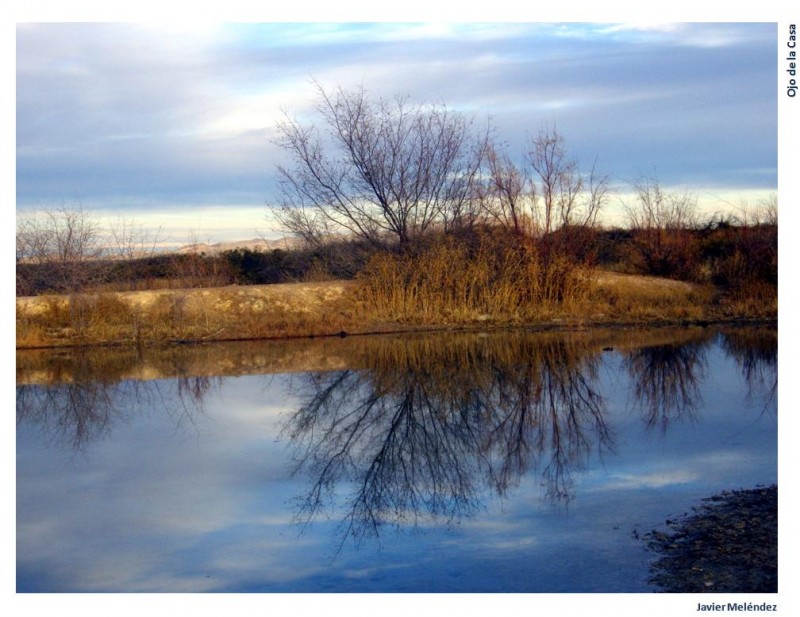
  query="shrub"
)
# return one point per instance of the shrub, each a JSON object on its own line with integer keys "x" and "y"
{"x": 488, "y": 276}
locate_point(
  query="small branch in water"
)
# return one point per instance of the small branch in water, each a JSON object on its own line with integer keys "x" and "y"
{"x": 218, "y": 332}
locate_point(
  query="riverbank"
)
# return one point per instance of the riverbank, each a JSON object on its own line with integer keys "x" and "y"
{"x": 333, "y": 353}
{"x": 334, "y": 308}
{"x": 729, "y": 544}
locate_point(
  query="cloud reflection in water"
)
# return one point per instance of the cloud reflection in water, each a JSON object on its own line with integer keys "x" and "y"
{"x": 446, "y": 450}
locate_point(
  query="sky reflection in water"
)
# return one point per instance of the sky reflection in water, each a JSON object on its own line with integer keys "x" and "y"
{"x": 507, "y": 462}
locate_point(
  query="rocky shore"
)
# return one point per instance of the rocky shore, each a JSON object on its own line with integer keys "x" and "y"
{"x": 729, "y": 544}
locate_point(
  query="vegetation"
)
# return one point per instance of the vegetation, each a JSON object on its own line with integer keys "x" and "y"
{"x": 476, "y": 279}
{"x": 434, "y": 222}
{"x": 382, "y": 171}
{"x": 181, "y": 316}
{"x": 487, "y": 277}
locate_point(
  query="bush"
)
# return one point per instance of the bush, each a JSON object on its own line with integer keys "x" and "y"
{"x": 470, "y": 279}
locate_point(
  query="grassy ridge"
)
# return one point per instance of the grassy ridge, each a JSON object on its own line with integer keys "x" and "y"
{"x": 278, "y": 311}
{"x": 225, "y": 313}
{"x": 485, "y": 278}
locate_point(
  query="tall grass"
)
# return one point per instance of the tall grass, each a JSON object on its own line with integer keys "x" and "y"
{"x": 456, "y": 280}
{"x": 637, "y": 299}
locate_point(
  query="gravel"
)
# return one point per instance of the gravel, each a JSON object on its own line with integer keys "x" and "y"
{"x": 729, "y": 544}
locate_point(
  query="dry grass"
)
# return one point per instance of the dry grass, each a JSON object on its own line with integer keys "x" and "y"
{"x": 647, "y": 298}
{"x": 447, "y": 284}
{"x": 393, "y": 295}
{"x": 226, "y": 313}
{"x": 79, "y": 318}
{"x": 759, "y": 300}
{"x": 450, "y": 283}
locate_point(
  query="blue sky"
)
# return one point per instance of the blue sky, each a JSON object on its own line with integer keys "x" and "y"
{"x": 173, "y": 124}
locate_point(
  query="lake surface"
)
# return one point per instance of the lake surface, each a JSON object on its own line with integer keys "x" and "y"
{"x": 492, "y": 462}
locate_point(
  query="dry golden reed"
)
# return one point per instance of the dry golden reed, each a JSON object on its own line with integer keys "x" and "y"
{"x": 450, "y": 281}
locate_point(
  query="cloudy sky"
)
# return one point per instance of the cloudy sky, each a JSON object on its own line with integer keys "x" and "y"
{"x": 173, "y": 125}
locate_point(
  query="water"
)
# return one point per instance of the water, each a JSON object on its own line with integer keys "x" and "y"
{"x": 495, "y": 462}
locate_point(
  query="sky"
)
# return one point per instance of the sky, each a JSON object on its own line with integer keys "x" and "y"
{"x": 173, "y": 125}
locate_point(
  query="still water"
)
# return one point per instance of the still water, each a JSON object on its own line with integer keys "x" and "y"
{"x": 491, "y": 462}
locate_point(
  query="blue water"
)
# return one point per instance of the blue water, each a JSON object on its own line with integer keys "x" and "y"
{"x": 147, "y": 487}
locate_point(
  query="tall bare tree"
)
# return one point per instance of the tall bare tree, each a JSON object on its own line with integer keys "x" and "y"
{"x": 505, "y": 196}
{"x": 556, "y": 182}
{"x": 546, "y": 193}
{"x": 567, "y": 198}
{"x": 381, "y": 169}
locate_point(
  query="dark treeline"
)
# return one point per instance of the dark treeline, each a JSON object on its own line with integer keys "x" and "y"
{"x": 240, "y": 266}
{"x": 724, "y": 253}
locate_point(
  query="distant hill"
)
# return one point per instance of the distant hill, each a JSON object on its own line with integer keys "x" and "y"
{"x": 255, "y": 244}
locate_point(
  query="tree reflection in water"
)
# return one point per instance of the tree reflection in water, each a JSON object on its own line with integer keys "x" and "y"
{"x": 755, "y": 350}
{"x": 428, "y": 426}
{"x": 665, "y": 378}
{"x": 85, "y": 408}
{"x": 76, "y": 412}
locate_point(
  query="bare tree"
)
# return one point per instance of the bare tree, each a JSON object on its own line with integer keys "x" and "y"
{"x": 763, "y": 213}
{"x": 662, "y": 223}
{"x": 598, "y": 193}
{"x": 658, "y": 209}
{"x": 557, "y": 182}
{"x": 131, "y": 241}
{"x": 546, "y": 194}
{"x": 128, "y": 242}
{"x": 567, "y": 198}
{"x": 505, "y": 196}
{"x": 769, "y": 210}
{"x": 382, "y": 169}
{"x": 65, "y": 240}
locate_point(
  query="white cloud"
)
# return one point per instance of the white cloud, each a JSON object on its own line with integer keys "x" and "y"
{"x": 169, "y": 115}
{"x": 686, "y": 34}
{"x": 658, "y": 479}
